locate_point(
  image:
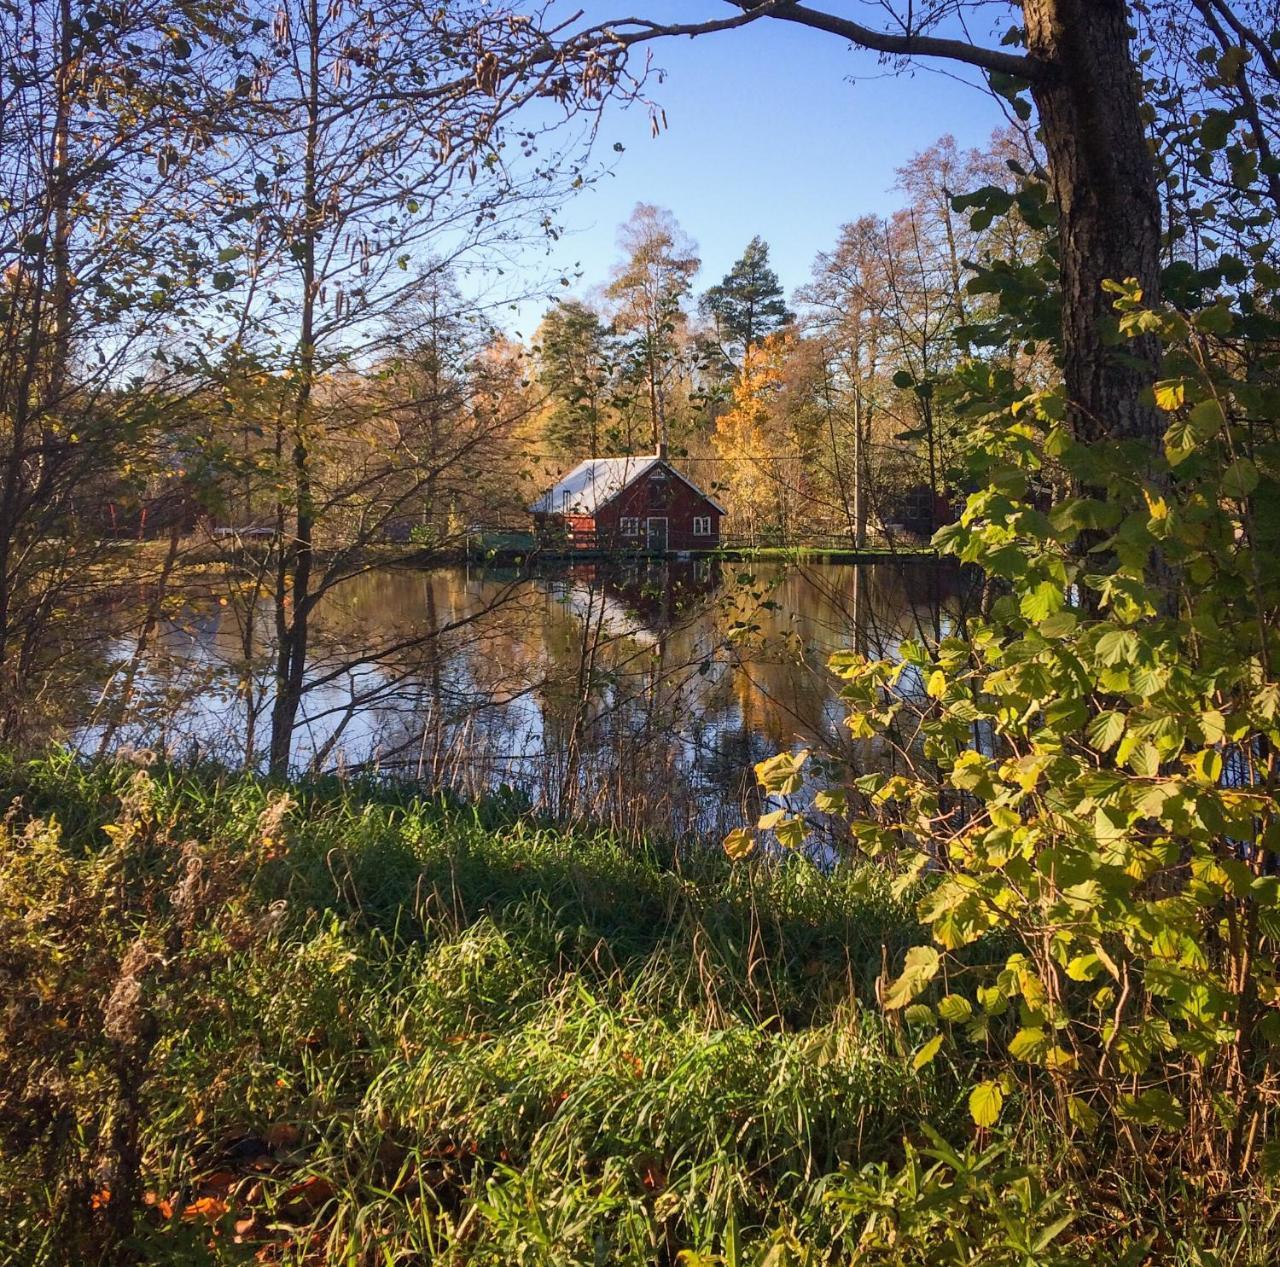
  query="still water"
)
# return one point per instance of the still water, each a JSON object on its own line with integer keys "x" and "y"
{"x": 633, "y": 694}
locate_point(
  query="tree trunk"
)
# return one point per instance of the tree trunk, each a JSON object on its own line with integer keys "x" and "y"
{"x": 859, "y": 475}
{"x": 294, "y": 577}
{"x": 1104, "y": 183}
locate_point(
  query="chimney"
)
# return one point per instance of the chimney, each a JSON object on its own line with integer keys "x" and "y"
{"x": 662, "y": 450}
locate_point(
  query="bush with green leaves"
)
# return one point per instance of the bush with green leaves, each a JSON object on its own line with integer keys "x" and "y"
{"x": 1088, "y": 772}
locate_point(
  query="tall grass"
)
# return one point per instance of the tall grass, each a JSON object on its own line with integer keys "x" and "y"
{"x": 481, "y": 1038}
{"x": 350, "y": 1025}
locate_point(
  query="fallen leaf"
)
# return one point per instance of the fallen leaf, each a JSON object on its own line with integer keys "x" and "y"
{"x": 217, "y": 1183}
{"x": 311, "y": 1192}
{"x": 208, "y": 1208}
{"x": 162, "y": 1204}
{"x": 282, "y": 1135}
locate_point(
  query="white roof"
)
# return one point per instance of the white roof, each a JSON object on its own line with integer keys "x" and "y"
{"x": 599, "y": 480}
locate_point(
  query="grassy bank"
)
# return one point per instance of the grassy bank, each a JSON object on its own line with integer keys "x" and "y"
{"x": 348, "y": 1025}
{"x": 830, "y": 554}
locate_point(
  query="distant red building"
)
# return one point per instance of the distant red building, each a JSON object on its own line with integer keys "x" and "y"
{"x": 628, "y": 504}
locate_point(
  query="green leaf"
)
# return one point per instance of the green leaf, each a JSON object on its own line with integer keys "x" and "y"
{"x": 1084, "y": 967}
{"x": 1083, "y": 1114}
{"x": 1207, "y": 418}
{"x": 1240, "y": 478}
{"x": 1270, "y": 1158}
{"x": 1153, "y": 1108}
{"x": 1206, "y": 765}
{"x": 832, "y": 801}
{"x": 781, "y": 774}
{"x": 1106, "y": 730}
{"x": 985, "y": 1102}
{"x": 1117, "y": 646}
{"x": 790, "y": 832}
{"x": 1042, "y": 601}
{"x": 955, "y": 1008}
{"x": 1029, "y": 1043}
{"x": 1059, "y": 625}
{"x": 972, "y": 773}
{"x": 1215, "y": 129}
{"x": 1171, "y": 394}
{"x": 1216, "y": 319}
{"x": 1180, "y": 442}
{"x": 1144, "y": 761}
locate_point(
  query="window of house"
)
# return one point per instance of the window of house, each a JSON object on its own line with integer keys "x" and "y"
{"x": 564, "y": 502}
{"x": 630, "y": 527}
{"x": 702, "y": 525}
{"x": 919, "y": 506}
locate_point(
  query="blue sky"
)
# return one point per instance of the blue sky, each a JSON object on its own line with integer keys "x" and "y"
{"x": 772, "y": 129}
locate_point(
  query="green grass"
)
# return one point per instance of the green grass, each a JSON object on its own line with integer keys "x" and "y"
{"x": 828, "y": 554}
{"x": 492, "y": 1036}
{"x": 384, "y": 1029}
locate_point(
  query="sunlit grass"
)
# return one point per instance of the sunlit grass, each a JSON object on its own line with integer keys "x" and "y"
{"x": 493, "y": 1041}
{"x": 400, "y": 1030}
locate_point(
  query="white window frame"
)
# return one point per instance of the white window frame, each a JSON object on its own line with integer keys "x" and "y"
{"x": 702, "y": 525}
{"x": 565, "y": 501}
{"x": 629, "y": 526}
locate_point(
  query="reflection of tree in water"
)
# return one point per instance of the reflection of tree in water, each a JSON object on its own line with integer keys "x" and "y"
{"x": 634, "y": 692}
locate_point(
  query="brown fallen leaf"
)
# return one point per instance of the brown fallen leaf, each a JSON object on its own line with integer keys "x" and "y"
{"x": 311, "y": 1192}
{"x": 162, "y": 1204}
{"x": 281, "y": 1135}
{"x": 217, "y": 1183}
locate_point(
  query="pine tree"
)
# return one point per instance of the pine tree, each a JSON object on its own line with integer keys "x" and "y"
{"x": 575, "y": 369}
{"x": 748, "y": 305}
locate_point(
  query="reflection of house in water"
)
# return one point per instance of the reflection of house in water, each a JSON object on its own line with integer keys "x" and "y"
{"x": 641, "y": 600}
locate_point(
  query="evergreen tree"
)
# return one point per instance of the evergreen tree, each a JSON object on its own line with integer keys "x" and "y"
{"x": 748, "y": 305}
{"x": 575, "y": 369}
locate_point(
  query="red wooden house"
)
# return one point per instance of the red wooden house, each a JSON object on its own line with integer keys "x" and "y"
{"x": 628, "y": 504}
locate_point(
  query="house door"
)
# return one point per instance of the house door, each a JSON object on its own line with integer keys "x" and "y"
{"x": 657, "y": 534}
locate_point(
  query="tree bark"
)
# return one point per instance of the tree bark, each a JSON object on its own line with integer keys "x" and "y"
{"x": 1104, "y": 183}
{"x": 293, "y": 589}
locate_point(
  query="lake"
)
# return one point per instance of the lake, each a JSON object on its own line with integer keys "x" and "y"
{"x": 635, "y": 694}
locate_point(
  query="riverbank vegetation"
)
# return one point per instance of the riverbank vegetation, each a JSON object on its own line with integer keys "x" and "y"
{"x": 346, "y": 1024}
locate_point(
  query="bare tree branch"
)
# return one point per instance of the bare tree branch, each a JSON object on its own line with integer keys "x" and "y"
{"x": 631, "y": 31}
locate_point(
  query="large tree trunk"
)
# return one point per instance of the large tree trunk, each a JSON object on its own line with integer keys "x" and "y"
{"x": 1104, "y": 183}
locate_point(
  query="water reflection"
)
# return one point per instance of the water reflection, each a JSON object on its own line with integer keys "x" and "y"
{"x": 638, "y": 693}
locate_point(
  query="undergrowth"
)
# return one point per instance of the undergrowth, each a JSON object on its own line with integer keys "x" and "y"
{"x": 346, "y": 1024}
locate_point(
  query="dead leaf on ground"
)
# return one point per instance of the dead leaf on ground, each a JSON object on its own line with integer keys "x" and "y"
{"x": 282, "y": 1135}
{"x": 209, "y": 1208}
